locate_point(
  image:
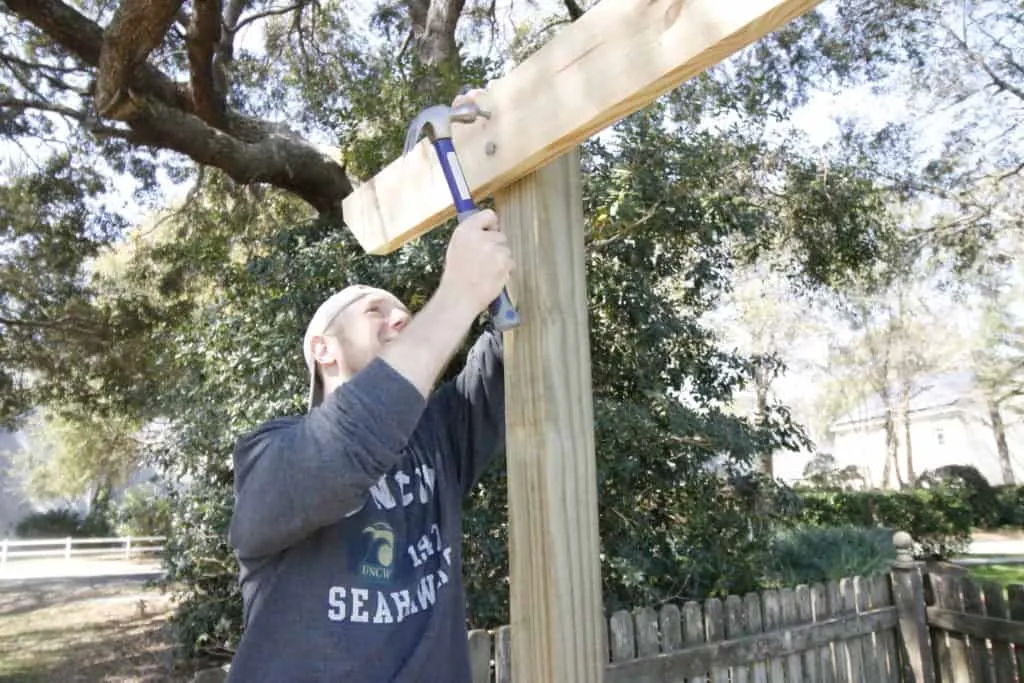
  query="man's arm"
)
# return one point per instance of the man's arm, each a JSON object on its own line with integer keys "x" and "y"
{"x": 293, "y": 476}
{"x": 472, "y": 408}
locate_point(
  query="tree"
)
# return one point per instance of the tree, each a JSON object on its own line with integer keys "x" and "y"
{"x": 765, "y": 318}
{"x": 893, "y": 315}
{"x": 140, "y": 76}
{"x": 956, "y": 68}
{"x": 73, "y": 458}
{"x": 60, "y": 343}
{"x": 997, "y": 356}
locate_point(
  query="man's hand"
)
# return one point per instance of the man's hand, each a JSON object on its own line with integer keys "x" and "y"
{"x": 471, "y": 96}
{"x": 478, "y": 262}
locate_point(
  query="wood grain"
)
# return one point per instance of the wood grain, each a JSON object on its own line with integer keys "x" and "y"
{"x": 554, "y": 561}
{"x": 613, "y": 61}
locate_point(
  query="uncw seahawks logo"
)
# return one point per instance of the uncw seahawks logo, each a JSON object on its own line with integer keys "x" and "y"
{"x": 380, "y": 552}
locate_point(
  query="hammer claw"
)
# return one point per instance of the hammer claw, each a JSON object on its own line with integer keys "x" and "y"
{"x": 436, "y": 121}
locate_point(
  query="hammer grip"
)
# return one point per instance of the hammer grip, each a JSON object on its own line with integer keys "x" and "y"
{"x": 503, "y": 312}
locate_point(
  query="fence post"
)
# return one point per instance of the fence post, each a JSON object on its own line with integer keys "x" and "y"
{"x": 128, "y": 547}
{"x": 3, "y": 552}
{"x": 908, "y": 596}
{"x": 67, "y": 548}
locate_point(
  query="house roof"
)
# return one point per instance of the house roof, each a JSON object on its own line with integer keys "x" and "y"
{"x": 927, "y": 392}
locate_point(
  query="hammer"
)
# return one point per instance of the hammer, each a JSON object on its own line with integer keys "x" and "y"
{"x": 437, "y": 122}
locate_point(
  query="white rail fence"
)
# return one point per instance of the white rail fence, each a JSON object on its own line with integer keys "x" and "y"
{"x": 122, "y": 547}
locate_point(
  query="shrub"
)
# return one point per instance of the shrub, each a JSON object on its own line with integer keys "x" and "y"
{"x": 145, "y": 510}
{"x": 60, "y": 523}
{"x": 808, "y": 554}
{"x": 1010, "y": 498}
{"x": 971, "y": 486}
{"x": 49, "y": 524}
{"x": 939, "y": 519}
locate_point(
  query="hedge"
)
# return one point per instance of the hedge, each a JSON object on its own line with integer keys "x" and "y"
{"x": 940, "y": 520}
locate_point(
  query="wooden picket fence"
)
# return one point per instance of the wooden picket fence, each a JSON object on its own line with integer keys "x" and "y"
{"x": 976, "y": 630}
{"x": 910, "y": 625}
{"x": 840, "y": 632}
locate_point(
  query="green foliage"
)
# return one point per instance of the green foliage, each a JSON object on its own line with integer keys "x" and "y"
{"x": 1010, "y": 498}
{"x": 810, "y": 554}
{"x": 50, "y": 229}
{"x": 72, "y": 457}
{"x": 822, "y": 472}
{"x": 940, "y": 520}
{"x": 144, "y": 510}
{"x": 971, "y": 486}
{"x": 61, "y": 523}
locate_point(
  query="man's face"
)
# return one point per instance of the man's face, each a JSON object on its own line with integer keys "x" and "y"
{"x": 364, "y": 328}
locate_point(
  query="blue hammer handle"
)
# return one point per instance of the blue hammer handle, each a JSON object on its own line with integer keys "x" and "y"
{"x": 503, "y": 312}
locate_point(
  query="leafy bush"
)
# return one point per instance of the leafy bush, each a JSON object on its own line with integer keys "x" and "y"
{"x": 145, "y": 510}
{"x": 60, "y": 523}
{"x": 1010, "y": 500}
{"x": 807, "y": 554}
{"x": 49, "y": 524}
{"x": 971, "y": 486}
{"x": 939, "y": 519}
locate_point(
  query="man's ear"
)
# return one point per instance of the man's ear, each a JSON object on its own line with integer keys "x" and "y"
{"x": 323, "y": 351}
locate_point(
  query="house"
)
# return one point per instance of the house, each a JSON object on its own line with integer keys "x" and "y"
{"x": 949, "y": 424}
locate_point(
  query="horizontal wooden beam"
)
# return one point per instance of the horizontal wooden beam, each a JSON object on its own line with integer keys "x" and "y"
{"x": 696, "y": 661}
{"x": 990, "y": 628}
{"x": 613, "y": 61}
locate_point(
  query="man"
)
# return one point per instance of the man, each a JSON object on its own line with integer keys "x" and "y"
{"x": 347, "y": 521}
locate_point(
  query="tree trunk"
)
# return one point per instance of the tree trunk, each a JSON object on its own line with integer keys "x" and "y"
{"x": 767, "y": 460}
{"x": 1002, "y": 448}
{"x": 911, "y": 478}
{"x": 891, "y": 451}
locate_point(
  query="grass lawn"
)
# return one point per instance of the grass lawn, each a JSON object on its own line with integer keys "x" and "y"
{"x": 1000, "y": 573}
{"x": 87, "y": 631}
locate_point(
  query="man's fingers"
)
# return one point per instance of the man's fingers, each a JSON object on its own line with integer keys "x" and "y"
{"x": 484, "y": 220}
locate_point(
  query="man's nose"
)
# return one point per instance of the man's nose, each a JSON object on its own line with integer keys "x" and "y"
{"x": 399, "y": 318}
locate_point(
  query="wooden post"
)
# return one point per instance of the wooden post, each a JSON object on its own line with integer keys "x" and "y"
{"x": 555, "y": 569}
{"x": 908, "y": 596}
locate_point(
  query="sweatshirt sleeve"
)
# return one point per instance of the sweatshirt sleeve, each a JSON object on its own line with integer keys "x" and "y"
{"x": 471, "y": 407}
{"x": 295, "y": 475}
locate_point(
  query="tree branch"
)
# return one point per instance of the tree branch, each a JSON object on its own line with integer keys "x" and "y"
{"x": 1001, "y": 83}
{"x": 137, "y": 28}
{"x": 204, "y": 33}
{"x": 277, "y": 11}
{"x": 161, "y": 114}
{"x": 268, "y": 157}
{"x": 15, "y": 103}
{"x": 83, "y": 38}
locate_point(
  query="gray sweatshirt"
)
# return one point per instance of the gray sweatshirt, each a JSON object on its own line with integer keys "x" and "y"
{"x": 347, "y": 526}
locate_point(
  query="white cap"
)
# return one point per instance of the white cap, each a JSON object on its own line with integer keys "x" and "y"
{"x": 319, "y": 324}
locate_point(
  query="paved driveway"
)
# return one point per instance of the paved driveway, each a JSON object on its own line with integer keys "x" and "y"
{"x": 57, "y": 568}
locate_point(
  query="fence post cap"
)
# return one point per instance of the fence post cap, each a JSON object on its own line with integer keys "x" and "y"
{"x": 904, "y": 544}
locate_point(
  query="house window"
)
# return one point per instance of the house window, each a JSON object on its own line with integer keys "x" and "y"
{"x": 940, "y": 436}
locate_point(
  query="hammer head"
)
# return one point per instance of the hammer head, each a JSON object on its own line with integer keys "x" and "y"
{"x": 437, "y": 121}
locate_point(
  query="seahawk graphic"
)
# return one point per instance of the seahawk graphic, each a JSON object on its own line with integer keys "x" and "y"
{"x": 380, "y": 545}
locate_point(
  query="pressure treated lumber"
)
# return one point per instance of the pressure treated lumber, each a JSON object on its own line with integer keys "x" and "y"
{"x": 554, "y": 562}
{"x": 613, "y": 61}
